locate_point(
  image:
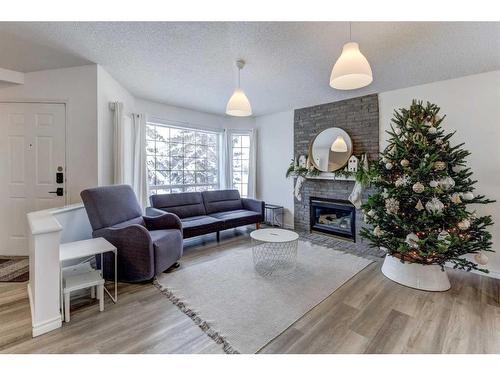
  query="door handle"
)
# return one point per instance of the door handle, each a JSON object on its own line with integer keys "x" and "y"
{"x": 59, "y": 192}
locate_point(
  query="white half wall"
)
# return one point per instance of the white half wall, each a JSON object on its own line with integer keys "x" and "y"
{"x": 77, "y": 87}
{"x": 472, "y": 108}
{"x": 274, "y": 153}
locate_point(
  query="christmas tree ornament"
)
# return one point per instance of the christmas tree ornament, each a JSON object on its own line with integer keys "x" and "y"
{"x": 455, "y": 198}
{"x": 443, "y": 236}
{"x": 418, "y": 138}
{"x": 468, "y": 196}
{"x": 428, "y": 122}
{"x": 427, "y": 156}
{"x": 438, "y": 141}
{"x": 433, "y": 184}
{"x": 404, "y": 163}
{"x": 436, "y": 119}
{"x": 481, "y": 258}
{"x": 439, "y": 165}
{"x": 446, "y": 183}
{"x": 385, "y": 193}
{"x": 402, "y": 181}
{"x": 432, "y": 130}
{"x": 371, "y": 213}
{"x": 388, "y": 166}
{"x": 457, "y": 168}
{"x": 377, "y": 231}
{"x": 434, "y": 206}
{"x": 418, "y": 187}
{"x": 412, "y": 240}
{"x": 419, "y": 206}
{"x": 464, "y": 224}
{"x": 392, "y": 205}
{"x": 385, "y": 160}
{"x": 397, "y": 131}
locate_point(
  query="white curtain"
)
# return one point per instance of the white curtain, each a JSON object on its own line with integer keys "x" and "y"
{"x": 225, "y": 161}
{"x": 139, "y": 163}
{"x": 129, "y": 151}
{"x": 118, "y": 143}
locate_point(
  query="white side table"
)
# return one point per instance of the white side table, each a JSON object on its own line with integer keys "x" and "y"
{"x": 82, "y": 280}
{"x": 88, "y": 248}
{"x": 274, "y": 251}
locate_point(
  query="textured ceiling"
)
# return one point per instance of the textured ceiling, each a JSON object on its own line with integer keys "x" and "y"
{"x": 288, "y": 64}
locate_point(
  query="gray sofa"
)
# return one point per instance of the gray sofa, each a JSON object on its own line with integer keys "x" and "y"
{"x": 208, "y": 211}
{"x": 147, "y": 246}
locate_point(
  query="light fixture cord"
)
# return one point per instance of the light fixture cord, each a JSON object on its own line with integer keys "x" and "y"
{"x": 239, "y": 71}
{"x": 350, "y": 31}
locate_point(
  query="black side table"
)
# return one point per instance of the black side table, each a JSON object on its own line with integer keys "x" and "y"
{"x": 274, "y": 215}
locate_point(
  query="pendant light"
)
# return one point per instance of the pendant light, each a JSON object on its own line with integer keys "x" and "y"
{"x": 352, "y": 70}
{"x": 238, "y": 105}
{"x": 339, "y": 145}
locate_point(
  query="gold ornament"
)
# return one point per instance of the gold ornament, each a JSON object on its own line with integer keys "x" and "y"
{"x": 432, "y": 130}
{"x": 418, "y": 187}
{"x": 446, "y": 183}
{"x": 377, "y": 231}
{"x": 464, "y": 224}
{"x": 439, "y": 165}
{"x": 418, "y": 137}
{"x": 405, "y": 163}
{"x": 419, "y": 205}
{"x": 388, "y": 166}
{"x": 392, "y": 205}
{"x": 455, "y": 198}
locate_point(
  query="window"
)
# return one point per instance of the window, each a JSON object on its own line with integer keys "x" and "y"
{"x": 181, "y": 160}
{"x": 240, "y": 145}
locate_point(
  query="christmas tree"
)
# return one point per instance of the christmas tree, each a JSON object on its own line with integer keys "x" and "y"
{"x": 419, "y": 213}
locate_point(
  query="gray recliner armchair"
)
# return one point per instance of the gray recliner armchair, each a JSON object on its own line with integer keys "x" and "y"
{"x": 146, "y": 245}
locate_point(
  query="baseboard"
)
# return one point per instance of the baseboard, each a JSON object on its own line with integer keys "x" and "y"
{"x": 43, "y": 327}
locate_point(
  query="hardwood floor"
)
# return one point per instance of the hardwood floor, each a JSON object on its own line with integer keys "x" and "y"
{"x": 368, "y": 314}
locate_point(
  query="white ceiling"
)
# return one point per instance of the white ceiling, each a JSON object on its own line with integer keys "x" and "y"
{"x": 288, "y": 63}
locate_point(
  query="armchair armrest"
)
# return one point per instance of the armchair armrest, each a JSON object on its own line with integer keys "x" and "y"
{"x": 253, "y": 205}
{"x": 135, "y": 250}
{"x": 166, "y": 220}
{"x": 152, "y": 211}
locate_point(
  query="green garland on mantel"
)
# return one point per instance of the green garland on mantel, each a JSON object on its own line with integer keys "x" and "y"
{"x": 361, "y": 175}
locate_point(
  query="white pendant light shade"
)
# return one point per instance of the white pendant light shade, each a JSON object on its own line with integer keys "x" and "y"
{"x": 238, "y": 104}
{"x": 339, "y": 145}
{"x": 352, "y": 70}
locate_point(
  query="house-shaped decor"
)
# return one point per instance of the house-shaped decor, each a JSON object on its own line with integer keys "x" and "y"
{"x": 352, "y": 164}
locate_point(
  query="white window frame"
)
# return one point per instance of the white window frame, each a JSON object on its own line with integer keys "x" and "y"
{"x": 232, "y": 133}
{"x": 195, "y": 128}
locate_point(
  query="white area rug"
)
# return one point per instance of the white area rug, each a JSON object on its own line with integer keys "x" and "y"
{"x": 242, "y": 310}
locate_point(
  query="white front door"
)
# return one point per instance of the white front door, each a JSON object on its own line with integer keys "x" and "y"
{"x": 32, "y": 153}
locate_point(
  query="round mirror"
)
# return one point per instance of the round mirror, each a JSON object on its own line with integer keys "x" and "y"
{"x": 330, "y": 150}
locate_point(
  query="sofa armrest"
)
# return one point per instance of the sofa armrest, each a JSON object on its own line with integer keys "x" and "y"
{"x": 253, "y": 205}
{"x": 166, "y": 220}
{"x": 135, "y": 250}
{"x": 152, "y": 211}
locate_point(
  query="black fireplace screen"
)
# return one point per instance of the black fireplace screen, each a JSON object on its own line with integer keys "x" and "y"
{"x": 335, "y": 217}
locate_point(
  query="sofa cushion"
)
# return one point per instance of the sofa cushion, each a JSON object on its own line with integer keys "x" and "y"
{"x": 167, "y": 246}
{"x": 237, "y": 218}
{"x": 180, "y": 204}
{"x": 221, "y": 201}
{"x": 199, "y": 225}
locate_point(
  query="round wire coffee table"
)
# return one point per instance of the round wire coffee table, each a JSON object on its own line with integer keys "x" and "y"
{"x": 274, "y": 251}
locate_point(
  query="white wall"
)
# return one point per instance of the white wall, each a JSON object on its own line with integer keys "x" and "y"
{"x": 472, "y": 107}
{"x": 77, "y": 87}
{"x": 108, "y": 90}
{"x": 167, "y": 112}
{"x": 274, "y": 153}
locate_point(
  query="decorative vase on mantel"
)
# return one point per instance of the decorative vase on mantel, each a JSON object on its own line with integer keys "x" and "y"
{"x": 430, "y": 277}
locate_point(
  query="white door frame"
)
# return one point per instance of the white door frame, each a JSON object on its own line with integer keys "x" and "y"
{"x": 66, "y": 119}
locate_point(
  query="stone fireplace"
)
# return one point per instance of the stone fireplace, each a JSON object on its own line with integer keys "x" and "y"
{"x": 359, "y": 117}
